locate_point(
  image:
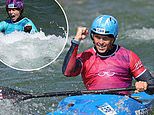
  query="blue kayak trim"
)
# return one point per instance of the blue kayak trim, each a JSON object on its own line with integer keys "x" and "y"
{"x": 143, "y": 96}
{"x": 102, "y": 104}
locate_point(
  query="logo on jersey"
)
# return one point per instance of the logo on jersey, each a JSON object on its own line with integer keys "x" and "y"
{"x": 138, "y": 65}
{"x": 106, "y": 74}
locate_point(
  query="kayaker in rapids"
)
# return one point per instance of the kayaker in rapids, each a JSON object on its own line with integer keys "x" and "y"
{"x": 106, "y": 65}
{"x": 16, "y": 21}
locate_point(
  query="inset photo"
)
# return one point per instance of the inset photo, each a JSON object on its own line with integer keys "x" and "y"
{"x": 33, "y": 33}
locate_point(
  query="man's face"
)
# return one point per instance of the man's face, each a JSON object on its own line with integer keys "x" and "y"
{"x": 102, "y": 43}
{"x": 14, "y": 13}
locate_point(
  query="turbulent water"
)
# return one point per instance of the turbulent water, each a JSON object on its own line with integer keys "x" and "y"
{"x": 24, "y": 51}
{"x": 136, "y": 32}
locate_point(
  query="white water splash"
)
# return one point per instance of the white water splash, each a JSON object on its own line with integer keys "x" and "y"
{"x": 26, "y": 51}
{"x": 8, "y": 108}
{"x": 27, "y": 107}
{"x": 141, "y": 34}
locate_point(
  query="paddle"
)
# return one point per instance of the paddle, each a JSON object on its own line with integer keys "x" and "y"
{"x": 8, "y": 93}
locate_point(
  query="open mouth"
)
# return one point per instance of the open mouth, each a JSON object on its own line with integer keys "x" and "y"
{"x": 12, "y": 16}
{"x": 101, "y": 46}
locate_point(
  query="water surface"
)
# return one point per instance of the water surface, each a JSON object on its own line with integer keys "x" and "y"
{"x": 136, "y": 32}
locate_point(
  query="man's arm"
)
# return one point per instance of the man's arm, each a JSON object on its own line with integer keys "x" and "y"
{"x": 149, "y": 79}
{"x": 141, "y": 74}
{"x": 72, "y": 65}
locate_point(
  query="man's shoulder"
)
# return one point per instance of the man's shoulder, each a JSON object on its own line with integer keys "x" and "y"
{"x": 87, "y": 52}
{"x": 90, "y": 50}
{"x": 128, "y": 51}
{"x": 123, "y": 49}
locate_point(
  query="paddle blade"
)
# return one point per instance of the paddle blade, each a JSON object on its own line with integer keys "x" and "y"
{"x": 8, "y": 93}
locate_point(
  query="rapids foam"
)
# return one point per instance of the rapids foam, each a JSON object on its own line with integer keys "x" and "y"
{"x": 141, "y": 34}
{"x": 30, "y": 51}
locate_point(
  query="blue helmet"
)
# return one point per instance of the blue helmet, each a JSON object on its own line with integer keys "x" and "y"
{"x": 105, "y": 25}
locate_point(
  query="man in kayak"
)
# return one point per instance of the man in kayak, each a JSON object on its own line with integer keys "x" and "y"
{"x": 16, "y": 21}
{"x": 106, "y": 65}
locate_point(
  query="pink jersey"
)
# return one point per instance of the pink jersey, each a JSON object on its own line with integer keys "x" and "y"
{"x": 100, "y": 72}
{"x": 115, "y": 71}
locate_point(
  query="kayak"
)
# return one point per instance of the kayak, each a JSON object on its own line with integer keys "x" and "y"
{"x": 105, "y": 104}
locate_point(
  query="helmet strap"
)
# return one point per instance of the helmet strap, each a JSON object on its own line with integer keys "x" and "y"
{"x": 91, "y": 36}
